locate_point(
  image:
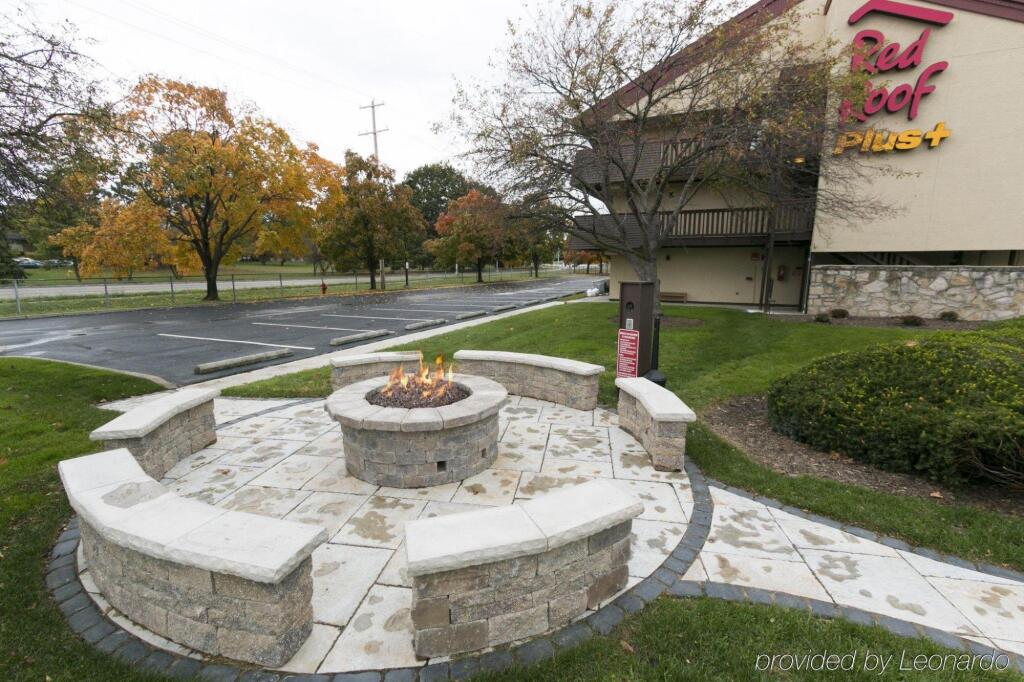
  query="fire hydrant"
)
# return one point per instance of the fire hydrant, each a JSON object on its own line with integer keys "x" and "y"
{"x": 323, "y": 288}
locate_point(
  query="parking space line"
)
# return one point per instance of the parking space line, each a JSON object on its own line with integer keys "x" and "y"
{"x": 418, "y": 310}
{"x": 248, "y": 343}
{"x": 375, "y": 317}
{"x": 309, "y": 326}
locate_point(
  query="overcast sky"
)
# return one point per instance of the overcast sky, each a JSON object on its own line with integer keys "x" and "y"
{"x": 307, "y": 64}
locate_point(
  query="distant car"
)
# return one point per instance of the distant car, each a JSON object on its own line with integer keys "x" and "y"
{"x": 58, "y": 263}
{"x": 28, "y": 262}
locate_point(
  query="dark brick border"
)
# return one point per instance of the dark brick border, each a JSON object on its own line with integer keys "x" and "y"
{"x": 86, "y": 620}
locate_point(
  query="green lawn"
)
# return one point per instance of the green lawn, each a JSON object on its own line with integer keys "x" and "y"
{"x": 718, "y": 354}
{"x": 78, "y": 304}
{"x": 43, "y": 276}
{"x": 46, "y": 414}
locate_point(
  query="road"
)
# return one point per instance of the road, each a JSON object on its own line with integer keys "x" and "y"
{"x": 142, "y": 286}
{"x": 169, "y": 343}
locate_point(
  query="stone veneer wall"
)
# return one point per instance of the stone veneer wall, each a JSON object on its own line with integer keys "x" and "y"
{"x": 180, "y": 436}
{"x": 413, "y": 459}
{"x": 664, "y": 440}
{"x": 973, "y": 292}
{"x": 542, "y": 383}
{"x": 215, "y": 613}
{"x": 343, "y": 376}
{"x": 486, "y": 605}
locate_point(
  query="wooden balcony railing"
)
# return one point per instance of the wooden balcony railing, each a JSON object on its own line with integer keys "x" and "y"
{"x": 732, "y": 222}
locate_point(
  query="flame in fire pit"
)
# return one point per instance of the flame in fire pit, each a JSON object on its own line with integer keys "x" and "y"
{"x": 428, "y": 384}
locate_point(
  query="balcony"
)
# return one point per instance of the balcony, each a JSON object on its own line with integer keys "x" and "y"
{"x": 791, "y": 222}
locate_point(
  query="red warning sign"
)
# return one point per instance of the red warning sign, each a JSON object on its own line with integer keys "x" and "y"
{"x": 626, "y": 357}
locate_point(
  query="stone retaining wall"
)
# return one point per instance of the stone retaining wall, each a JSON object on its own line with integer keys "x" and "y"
{"x": 657, "y": 418}
{"x": 972, "y": 292}
{"x": 492, "y": 604}
{"x": 216, "y": 613}
{"x": 560, "y": 381}
{"x": 180, "y": 436}
{"x": 353, "y": 368}
{"x": 417, "y": 459}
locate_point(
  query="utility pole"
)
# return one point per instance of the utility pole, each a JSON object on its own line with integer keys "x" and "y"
{"x": 372, "y": 106}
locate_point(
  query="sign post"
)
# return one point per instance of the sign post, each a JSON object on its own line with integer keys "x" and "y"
{"x": 627, "y": 355}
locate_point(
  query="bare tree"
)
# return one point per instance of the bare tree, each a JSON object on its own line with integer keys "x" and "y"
{"x": 621, "y": 115}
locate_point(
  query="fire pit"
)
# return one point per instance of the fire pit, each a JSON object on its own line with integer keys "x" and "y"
{"x": 412, "y": 430}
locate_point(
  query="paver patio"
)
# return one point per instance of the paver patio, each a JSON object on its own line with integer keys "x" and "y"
{"x": 284, "y": 458}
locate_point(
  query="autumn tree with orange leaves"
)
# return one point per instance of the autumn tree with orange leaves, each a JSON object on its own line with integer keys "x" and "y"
{"x": 220, "y": 176}
{"x": 474, "y": 229}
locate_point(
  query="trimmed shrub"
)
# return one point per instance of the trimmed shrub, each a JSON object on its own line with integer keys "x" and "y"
{"x": 950, "y": 407}
{"x": 839, "y": 313}
{"x": 949, "y": 316}
{"x": 823, "y": 318}
{"x": 912, "y": 321}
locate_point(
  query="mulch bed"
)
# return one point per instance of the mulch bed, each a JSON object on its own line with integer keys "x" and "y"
{"x": 959, "y": 325}
{"x": 744, "y": 422}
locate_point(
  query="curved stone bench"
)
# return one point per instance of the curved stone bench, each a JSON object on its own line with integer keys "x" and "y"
{"x": 558, "y": 380}
{"x": 489, "y": 577}
{"x": 348, "y": 369}
{"x": 657, "y": 418}
{"x": 222, "y": 582}
{"x": 163, "y": 431}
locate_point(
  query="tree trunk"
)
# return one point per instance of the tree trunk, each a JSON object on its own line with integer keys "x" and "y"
{"x": 211, "y": 282}
{"x": 480, "y": 270}
{"x": 536, "y": 267}
{"x": 647, "y": 271}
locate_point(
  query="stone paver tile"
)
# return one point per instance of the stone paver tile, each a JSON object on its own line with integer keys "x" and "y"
{"x": 724, "y": 498}
{"x": 659, "y": 499}
{"x": 307, "y": 412}
{"x": 996, "y": 610}
{"x": 652, "y": 542}
{"x": 750, "y": 532}
{"x": 394, "y": 572}
{"x": 525, "y": 401}
{"x": 380, "y": 522}
{"x": 293, "y": 472}
{"x": 342, "y": 574}
{"x": 696, "y": 571}
{"x": 940, "y": 569}
{"x": 559, "y": 414}
{"x": 435, "y": 509}
{"x": 492, "y": 487}
{"x": 213, "y": 482}
{"x": 533, "y": 485}
{"x": 334, "y": 478}
{"x": 1010, "y": 645}
{"x": 524, "y": 433}
{"x": 808, "y": 534}
{"x": 193, "y": 462}
{"x": 637, "y": 466}
{"x": 520, "y": 413}
{"x": 88, "y": 583}
{"x": 312, "y": 652}
{"x": 885, "y": 585}
{"x": 581, "y": 431}
{"x": 437, "y": 493}
{"x": 295, "y": 429}
{"x": 276, "y": 502}
{"x": 225, "y": 442}
{"x": 683, "y": 492}
{"x": 584, "y": 449}
{"x": 621, "y": 441}
{"x": 603, "y": 417}
{"x": 575, "y": 467}
{"x": 519, "y": 456}
{"x": 252, "y": 427}
{"x": 262, "y": 453}
{"x": 330, "y": 511}
{"x": 791, "y": 577}
{"x": 328, "y": 445}
{"x": 378, "y": 636}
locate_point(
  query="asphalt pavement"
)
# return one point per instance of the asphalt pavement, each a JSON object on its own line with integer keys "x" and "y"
{"x": 169, "y": 343}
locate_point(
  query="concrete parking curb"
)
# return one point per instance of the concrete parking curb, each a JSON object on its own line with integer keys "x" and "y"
{"x": 362, "y": 336}
{"x": 424, "y": 324}
{"x": 241, "y": 361}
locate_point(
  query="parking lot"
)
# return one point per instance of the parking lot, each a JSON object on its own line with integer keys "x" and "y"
{"x": 169, "y": 343}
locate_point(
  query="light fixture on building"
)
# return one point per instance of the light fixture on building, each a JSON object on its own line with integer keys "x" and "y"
{"x": 798, "y": 160}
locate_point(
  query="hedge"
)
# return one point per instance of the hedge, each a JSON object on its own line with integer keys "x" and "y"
{"x": 950, "y": 407}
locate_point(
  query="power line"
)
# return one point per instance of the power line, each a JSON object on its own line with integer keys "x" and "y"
{"x": 372, "y": 106}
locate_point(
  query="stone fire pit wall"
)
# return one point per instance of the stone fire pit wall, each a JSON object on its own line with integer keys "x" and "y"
{"x": 419, "y": 447}
{"x": 657, "y": 418}
{"x": 222, "y": 582}
{"x": 164, "y": 431}
{"x": 490, "y": 577}
{"x": 558, "y": 380}
{"x": 348, "y": 369}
